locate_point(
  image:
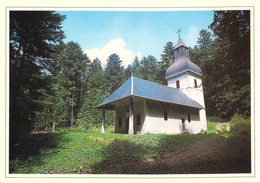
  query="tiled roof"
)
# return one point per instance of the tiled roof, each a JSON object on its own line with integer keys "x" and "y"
{"x": 149, "y": 90}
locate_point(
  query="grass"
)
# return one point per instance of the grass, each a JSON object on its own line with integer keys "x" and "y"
{"x": 68, "y": 152}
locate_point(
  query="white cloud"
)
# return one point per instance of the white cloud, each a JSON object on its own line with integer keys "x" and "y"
{"x": 193, "y": 34}
{"x": 117, "y": 46}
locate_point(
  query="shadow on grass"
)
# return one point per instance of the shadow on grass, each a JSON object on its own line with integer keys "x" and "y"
{"x": 126, "y": 157}
{"x": 32, "y": 146}
{"x": 119, "y": 156}
{"x": 178, "y": 154}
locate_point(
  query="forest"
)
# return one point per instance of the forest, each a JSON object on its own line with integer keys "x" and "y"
{"x": 54, "y": 85}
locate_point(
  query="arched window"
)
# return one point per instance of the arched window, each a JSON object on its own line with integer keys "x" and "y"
{"x": 138, "y": 119}
{"x": 165, "y": 115}
{"x": 120, "y": 122}
{"x": 177, "y": 84}
{"x": 195, "y": 83}
{"x": 178, "y": 52}
{"x": 189, "y": 117}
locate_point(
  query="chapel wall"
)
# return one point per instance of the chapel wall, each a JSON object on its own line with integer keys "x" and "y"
{"x": 187, "y": 86}
{"x": 173, "y": 125}
{"x": 121, "y": 111}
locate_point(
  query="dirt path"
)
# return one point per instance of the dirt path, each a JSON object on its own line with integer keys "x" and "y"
{"x": 209, "y": 156}
{"x": 189, "y": 158}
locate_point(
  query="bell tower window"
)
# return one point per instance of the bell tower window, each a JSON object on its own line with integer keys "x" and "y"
{"x": 177, "y": 84}
{"x": 195, "y": 83}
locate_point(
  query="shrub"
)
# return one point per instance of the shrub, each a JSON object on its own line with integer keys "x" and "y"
{"x": 239, "y": 125}
{"x": 74, "y": 129}
{"x": 212, "y": 127}
{"x": 110, "y": 129}
{"x": 214, "y": 119}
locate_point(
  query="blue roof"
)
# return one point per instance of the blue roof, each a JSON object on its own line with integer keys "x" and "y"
{"x": 180, "y": 43}
{"x": 148, "y": 90}
{"x": 182, "y": 65}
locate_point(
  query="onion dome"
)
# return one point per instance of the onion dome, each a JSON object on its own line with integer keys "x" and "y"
{"x": 182, "y": 62}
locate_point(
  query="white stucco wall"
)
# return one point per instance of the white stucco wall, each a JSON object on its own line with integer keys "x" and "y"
{"x": 139, "y": 108}
{"x": 195, "y": 93}
{"x": 173, "y": 125}
{"x": 152, "y": 118}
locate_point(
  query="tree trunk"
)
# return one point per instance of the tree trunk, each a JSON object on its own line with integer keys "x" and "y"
{"x": 72, "y": 110}
{"x": 53, "y": 127}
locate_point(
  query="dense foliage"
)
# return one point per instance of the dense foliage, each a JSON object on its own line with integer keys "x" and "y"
{"x": 224, "y": 58}
{"x": 34, "y": 37}
{"x": 55, "y": 85}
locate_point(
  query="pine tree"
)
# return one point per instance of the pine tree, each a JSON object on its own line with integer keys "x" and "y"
{"x": 167, "y": 58}
{"x": 114, "y": 73}
{"x": 232, "y": 30}
{"x": 149, "y": 69}
{"x": 34, "y": 37}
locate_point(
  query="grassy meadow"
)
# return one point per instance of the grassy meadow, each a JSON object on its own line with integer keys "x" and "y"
{"x": 72, "y": 151}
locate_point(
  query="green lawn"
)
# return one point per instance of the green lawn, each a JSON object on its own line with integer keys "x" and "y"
{"x": 79, "y": 153}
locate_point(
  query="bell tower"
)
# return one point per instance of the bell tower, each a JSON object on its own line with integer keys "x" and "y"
{"x": 187, "y": 76}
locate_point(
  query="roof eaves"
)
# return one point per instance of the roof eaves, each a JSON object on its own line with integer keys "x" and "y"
{"x": 101, "y": 105}
{"x": 198, "y": 105}
{"x": 184, "y": 72}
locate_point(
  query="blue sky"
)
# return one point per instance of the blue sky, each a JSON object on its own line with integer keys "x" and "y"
{"x": 130, "y": 33}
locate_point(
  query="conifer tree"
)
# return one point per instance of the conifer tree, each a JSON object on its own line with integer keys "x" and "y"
{"x": 34, "y": 36}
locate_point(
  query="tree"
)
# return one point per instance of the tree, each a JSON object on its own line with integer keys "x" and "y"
{"x": 114, "y": 73}
{"x": 233, "y": 31}
{"x": 89, "y": 116}
{"x": 95, "y": 74}
{"x": 75, "y": 69}
{"x": 227, "y": 89}
{"x": 134, "y": 68}
{"x": 34, "y": 37}
{"x": 149, "y": 69}
{"x": 196, "y": 55}
{"x": 167, "y": 55}
{"x": 167, "y": 58}
{"x": 205, "y": 40}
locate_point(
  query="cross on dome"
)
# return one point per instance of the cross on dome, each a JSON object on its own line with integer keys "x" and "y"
{"x": 179, "y": 31}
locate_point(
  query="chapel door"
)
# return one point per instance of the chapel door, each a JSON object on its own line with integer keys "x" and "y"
{"x": 127, "y": 124}
{"x": 183, "y": 124}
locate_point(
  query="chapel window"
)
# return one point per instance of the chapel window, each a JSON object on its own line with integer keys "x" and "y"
{"x": 138, "y": 119}
{"x": 189, "y": 117}
{"x": 165, "y": 115}
{"x": 120, "y": 122}
{"x": 177, "y": 84}
{"x": 178, "y": 52}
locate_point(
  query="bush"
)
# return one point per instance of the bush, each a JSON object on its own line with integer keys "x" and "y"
{"x": 92, "y": 128}
{"x": 239, "y": 125}
{"x": 212, "y": 127}
{"x": 214, "y": 119}
{"x": 74, "y": 129}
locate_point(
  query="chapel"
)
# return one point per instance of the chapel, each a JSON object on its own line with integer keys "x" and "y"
{"x": 146, "y": 107}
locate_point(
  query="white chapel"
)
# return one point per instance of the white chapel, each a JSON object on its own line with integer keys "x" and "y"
{"x": 146, "y": 107}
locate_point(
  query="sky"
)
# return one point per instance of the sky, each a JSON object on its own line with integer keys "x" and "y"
{"x": 132, "y": 33}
